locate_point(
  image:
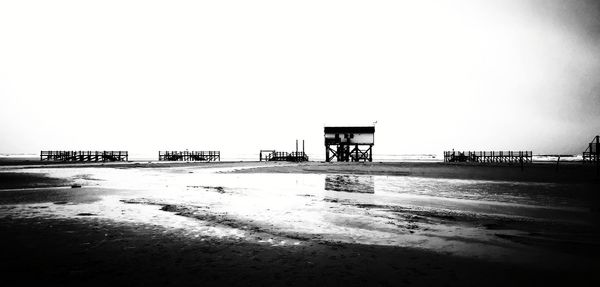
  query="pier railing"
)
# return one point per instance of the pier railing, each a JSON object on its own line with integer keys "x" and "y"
{"x": 189, "y": 156}
{"x": 83, "y": 156}
{"x": 284, "y": 156}
{"x": 489, "y": 156}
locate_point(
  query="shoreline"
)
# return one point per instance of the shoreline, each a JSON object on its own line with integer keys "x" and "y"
{"x": 573, "y": 172}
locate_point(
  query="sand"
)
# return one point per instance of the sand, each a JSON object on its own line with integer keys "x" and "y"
{"x": 91, "y": 249}
{"x": 70, "y": 252}
{"x": 535, "y": 172}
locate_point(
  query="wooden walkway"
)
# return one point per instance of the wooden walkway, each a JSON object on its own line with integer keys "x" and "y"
{"x": 189, "y": 156}
{"x": 509, "y": 157}
{"x": 273, "y": 155}
{"x": 84, "y": 156}
{"x": 284, "y": 156}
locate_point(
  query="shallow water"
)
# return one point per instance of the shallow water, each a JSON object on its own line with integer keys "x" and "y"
{"x": 491, "y": 219}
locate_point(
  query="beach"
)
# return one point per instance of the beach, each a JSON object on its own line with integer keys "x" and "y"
{"x": 298, "y": 224}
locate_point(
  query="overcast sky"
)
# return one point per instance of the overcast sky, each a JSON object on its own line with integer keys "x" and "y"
{"x": 239, "y": 76}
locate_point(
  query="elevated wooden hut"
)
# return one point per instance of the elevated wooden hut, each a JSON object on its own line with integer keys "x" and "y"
{"x": 349, "y": 143}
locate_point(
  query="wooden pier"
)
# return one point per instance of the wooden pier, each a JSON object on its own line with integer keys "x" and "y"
{"x": 284, "y": 156}
{"x": 510, "y": 157}
{"x": 84, "y": 156}
{"x": 266, "y": 154}
{"x": 189, "y": 155}
{"x": 592, "y": 153}
{"x": 273, "y": 155}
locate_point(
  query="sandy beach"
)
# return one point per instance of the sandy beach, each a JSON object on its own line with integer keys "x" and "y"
{"x": 252, "y": 223}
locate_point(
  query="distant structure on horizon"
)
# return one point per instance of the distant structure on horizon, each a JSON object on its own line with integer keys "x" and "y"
{"x": 592, "y": 153}
{"x": 509, "y": 157}
{"x": 189, "y": 155}
{"x": 65, "y": 155}
{"x": 273, "y": 155}
{"x": 349, "y": 143}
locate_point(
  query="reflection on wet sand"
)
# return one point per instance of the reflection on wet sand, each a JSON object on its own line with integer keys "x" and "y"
{"x": 350, "y": 183}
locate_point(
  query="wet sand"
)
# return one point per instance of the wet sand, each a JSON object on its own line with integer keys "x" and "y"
{"x": 93, "y": 252}
{"x": 535, "y": 172}
{"x": 88, "y": 247}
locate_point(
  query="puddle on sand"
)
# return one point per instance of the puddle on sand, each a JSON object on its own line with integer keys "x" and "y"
{"x": 438, "y": 214}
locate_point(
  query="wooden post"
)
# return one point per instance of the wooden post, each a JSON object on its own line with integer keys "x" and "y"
{"x": 521, "y": 160}
{"x": 597, "y": 156}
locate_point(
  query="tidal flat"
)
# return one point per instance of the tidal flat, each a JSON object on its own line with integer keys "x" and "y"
{"x": 252, "y": 223}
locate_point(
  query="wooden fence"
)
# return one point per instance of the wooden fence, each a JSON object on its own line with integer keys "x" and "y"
{"x": 84, "y": 156}
{"x": 489, "y": 156}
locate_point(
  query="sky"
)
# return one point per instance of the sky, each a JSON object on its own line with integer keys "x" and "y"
{"x": 240, "y": 76}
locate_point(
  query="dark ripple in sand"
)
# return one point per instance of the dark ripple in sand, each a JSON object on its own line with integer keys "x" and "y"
{"x": 218, "y": 189}
{"x": 350, "y": 183}
{"x": 542, "y": 233}
{"x": 431, "y": 215}
{"x": 223, "y": 219}
{"x": 85, "y": 177}
{"x": 143, "y": 201}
